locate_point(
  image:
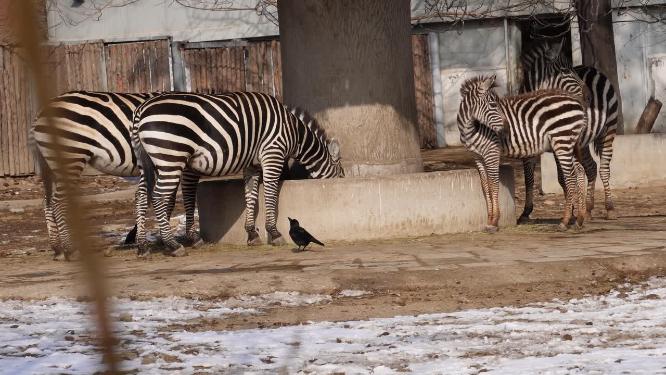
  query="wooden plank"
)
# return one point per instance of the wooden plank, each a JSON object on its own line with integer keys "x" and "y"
{"x": 21, "y": 109}
{"x": 12, "y": 111}
{"x": 4, "y": 136}
{"x": 277, "y": 68}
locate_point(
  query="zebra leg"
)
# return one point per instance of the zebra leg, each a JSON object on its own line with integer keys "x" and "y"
{"x": 605, "y": 148}
{"x": 561, "y": 178}
{"x": 52, "y": 227}
{"x": 165, "y": 185}
{"x": 271, "y": 166}
{"x": 528, "y": 169}
{"x": 141, "y": 208}
{"x": 493, "y": 182}
{"x": 590, "y": 167}
{"x": 564, "y": 158}
{"x": 581, "y": 206}
{"x": 59, "y": 212}
{"x": 251, "y": 178}
{"x": 189, "y": 190}
{"x": 483, "y": 176}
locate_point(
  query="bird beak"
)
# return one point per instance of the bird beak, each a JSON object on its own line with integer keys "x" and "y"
{"x": 289, "y": 218}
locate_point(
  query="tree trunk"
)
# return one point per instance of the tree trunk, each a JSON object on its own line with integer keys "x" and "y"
{"x": 649, "y": 116}
{"x": 349, "y": 63}
{"x": 595, "y": 23}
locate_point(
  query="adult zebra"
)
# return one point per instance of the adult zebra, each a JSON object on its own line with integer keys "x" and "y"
{"x": 546, "y": 67}
{"x": 520, "y": 126}
{"x": 192, "y": 135}
{"x": 93, "y": 128}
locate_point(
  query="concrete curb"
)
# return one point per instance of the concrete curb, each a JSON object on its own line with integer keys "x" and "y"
{"x": 367, "y": 208}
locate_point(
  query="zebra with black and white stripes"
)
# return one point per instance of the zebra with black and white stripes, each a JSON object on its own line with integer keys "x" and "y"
{"x": 192, "y": 135}
{"x": 520, "y": 126}
{"x": 546, "y": 67}
{"x": 92, "y": 128}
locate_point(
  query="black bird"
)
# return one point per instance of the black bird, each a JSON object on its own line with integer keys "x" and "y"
{"x": 300, "y": 236}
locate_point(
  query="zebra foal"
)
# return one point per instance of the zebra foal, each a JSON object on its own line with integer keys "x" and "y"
{"x": 87, "y": 128}
{"x": 193, "y": 135}
{"x": 546, "y": 67}
{"x": 520, "y": 126}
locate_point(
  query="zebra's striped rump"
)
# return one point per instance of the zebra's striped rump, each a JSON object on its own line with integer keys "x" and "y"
{"x": 546, "y": 66}
{"x": 82, "y": 128}
{"x": 196, "y": 135}
{"x": 520, "y": 126}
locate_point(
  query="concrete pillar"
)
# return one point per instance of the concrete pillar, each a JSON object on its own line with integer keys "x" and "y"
{"x": 349, "y": 63}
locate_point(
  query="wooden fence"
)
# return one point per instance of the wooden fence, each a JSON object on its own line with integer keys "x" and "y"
{"x": 145, "y": 66}
{"x": 253, "y": 67}
{"x": 131, "y": 67}
{"x": 17, "y": 106}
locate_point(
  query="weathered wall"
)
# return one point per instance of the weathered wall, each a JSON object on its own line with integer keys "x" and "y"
{"x": 477, "y": 48}
{"x": 640, "y": 48}
{"x": 637, "y": 161}
{"x": 154, "y": 18}
{"x": 364, "y": 208}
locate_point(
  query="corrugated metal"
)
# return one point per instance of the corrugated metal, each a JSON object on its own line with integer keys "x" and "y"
{"x": 138, "y": 66}
{"x": 424, "y": 91}
{"x": 17, "y": 108}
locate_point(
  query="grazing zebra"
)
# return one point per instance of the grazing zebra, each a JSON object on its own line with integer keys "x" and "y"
{"x": 93, "y": 128}
{"x": 546, "y": 67}
{"x": 192, "y": 135}
{"x": 520, "y": 126}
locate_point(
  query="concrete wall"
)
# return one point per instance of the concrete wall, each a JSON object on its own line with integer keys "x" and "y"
{"x": 638, "y": 160}
{"x": 360, "y": 208}
{"x": 488, "y": 47}
{"x": 154, "y": 18}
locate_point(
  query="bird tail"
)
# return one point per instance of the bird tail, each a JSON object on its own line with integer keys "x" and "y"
{"x": 317, "y": 241}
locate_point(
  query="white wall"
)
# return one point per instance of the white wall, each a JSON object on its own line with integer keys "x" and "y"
{"x": 477, "y": 48}
{"x": 152, "y": 18}
{"x": 640, "y": 49}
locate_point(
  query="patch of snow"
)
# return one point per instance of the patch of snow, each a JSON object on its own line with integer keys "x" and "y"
{"x": 275, "y": 299}
{"x": 621, "y": 332}
{"x": 352, "y": 293}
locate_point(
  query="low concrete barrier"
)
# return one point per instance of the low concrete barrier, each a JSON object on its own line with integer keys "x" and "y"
{"x": 638, "y": 160}
{"x": 349, "y": 209}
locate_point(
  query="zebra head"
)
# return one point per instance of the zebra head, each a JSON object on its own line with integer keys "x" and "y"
{"x": 320, "y": 156}
{"x": 479, "y": 102}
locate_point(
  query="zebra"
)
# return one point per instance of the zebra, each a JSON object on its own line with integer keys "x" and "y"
{"x": 546, "y": 67}
{"x": 93, "y": 128}
{"x": 193, "y": 135}
{"x": 520, "y": 126}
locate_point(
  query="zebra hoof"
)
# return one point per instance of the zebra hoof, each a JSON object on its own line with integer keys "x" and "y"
{"x": 523, "y": 220}
{"x": 562, "y": 227}
{"x": 278, "y": 241}
{"x": 198, "y": 243}
{"x": 59, "y": 257}
{"x": 179, "y": 252}
{"x": 490, "y": 229}
{"x": 611, "y": 215}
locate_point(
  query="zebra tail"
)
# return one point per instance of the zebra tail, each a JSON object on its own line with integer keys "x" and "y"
{"x": 44, "y": 171}
{"x": 147, "y": 167}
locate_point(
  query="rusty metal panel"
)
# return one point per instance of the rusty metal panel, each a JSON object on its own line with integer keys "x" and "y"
{"x": 424, "y": 92}
{"x": 138, "y": 66}
{"x": 16, "y": 105}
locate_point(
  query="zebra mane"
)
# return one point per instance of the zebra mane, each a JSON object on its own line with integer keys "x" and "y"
{"x": 310, "y": 122}
{"x": 539, "y": 52}
{"x": 474, "y": 84}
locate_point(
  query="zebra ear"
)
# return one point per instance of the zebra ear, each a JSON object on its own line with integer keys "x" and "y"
{"x": 334, "y": 149}
{"x": 488, "y": 83}
{"x": 554, "y": 50}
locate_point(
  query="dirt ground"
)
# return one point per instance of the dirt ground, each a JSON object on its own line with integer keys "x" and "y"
{"x": 516, "y": 266}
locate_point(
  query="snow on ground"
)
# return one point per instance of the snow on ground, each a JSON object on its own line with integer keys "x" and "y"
{"x": 622, "y": 332}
